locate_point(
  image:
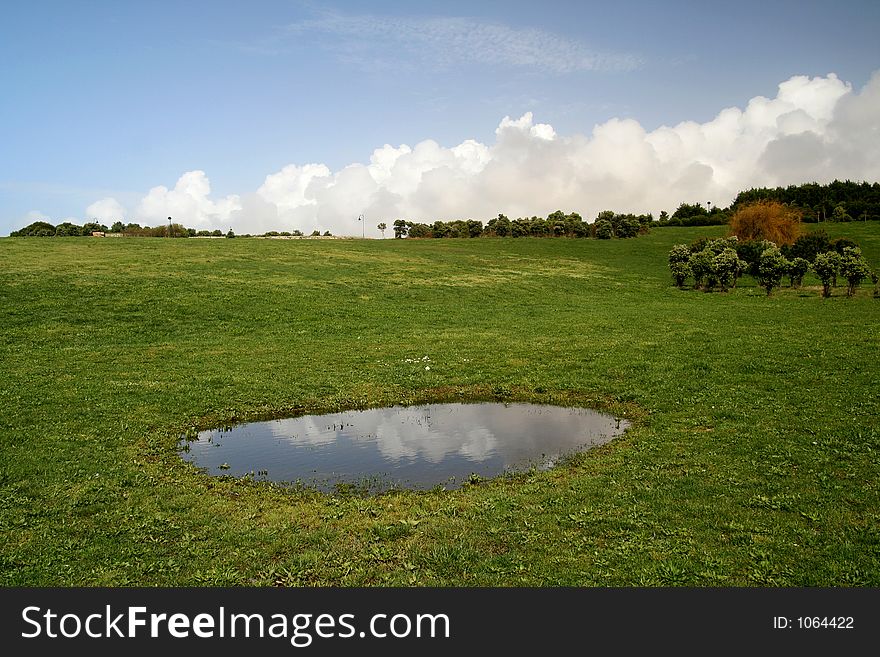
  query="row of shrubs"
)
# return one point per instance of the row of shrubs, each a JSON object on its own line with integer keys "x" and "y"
{"x": 722, "y": 262}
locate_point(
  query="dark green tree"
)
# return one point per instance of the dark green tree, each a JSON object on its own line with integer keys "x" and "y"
{"x": 603, "y": 228}
{"x": 400, "y": 228}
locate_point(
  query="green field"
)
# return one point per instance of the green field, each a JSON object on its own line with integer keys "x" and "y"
{"x": 753, "y": 458}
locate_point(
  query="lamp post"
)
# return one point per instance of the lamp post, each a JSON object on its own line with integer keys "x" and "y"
{"x": 363, "y": 224}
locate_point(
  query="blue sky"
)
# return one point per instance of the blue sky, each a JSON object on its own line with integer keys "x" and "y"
{"x": 110, "y": 99}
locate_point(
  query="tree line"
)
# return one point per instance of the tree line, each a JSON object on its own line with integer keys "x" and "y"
{"x": 67, "y": 229}
{"x": 607, "y": 225}
{"x": 836, "y": 201}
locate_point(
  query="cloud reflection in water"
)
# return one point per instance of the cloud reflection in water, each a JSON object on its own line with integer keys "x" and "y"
{"x": 415, "y": 447}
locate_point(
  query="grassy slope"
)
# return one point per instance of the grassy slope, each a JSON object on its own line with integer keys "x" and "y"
{"x": 754, "y": 458}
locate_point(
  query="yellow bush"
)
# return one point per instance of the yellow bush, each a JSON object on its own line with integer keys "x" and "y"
{"x": 766, "y": 220}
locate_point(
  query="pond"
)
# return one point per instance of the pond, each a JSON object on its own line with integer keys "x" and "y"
{"x": 416, "y": 447}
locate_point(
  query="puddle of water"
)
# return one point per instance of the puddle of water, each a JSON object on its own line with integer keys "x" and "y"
{"x": 417, "y": 447}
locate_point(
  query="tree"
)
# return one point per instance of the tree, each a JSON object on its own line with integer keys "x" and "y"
{"x": 230, "y": 234}
{"x": 766, "y": 220}
{"x": 750, "y": 253}
{"x": 678, "y": 263}
{"x": 440, "y": 229}
{"x": 627, "y": 226}
{"x": 474, "y": 228}
{"x": 771, "y": 268}
{"x": 604, "y": 230}
{"x": 400, "y": 228}
{"x": 797, "y": 269}
{"x": 726, "y": 264}
{"x": 519, "y": 227}
{"x": 382, "y": 227}
{"x": 840, "y": 214}
{"x": 117, "y": 227}
{"x": 702, "y": 265}
{"x": 93, "y": 227}
{"x": 685, "y": 210}
{"x": 416, "y": 230}
{"x": 67, "y": 229}
{"x": 825, "y": 267}
{"x": 741, "y": 267}
{"x": 499, "y": 226}
{"x": 853, "y": 268}
{"x": 836, "y": 259}
{"x": 809, "y": 246}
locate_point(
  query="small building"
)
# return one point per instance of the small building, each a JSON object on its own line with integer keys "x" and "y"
{"x": 98, "y": 233}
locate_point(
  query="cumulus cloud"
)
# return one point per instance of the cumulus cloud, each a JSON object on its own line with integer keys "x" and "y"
{"x": 106, "y": 211}
{"x": 814, "y": 129}
{"x": 188, "y": 203}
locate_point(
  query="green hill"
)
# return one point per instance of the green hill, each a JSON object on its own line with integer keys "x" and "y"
{"x": 753, "y": 457}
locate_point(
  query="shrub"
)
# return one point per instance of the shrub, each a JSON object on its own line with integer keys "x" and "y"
{"x": 750, "y": 253}
{"x": 679, "y": 253}
{"x": 853, "y": 268}
{"x": 741, "y": 267}
{"x": 836, "y": 259}
{"x": 841, "y": 244}
{"x": 809, "y": 246}
{"x": 771, "y": 268}
{"x": 680, "y": 272}
{"x": 699, "y": 244}
{"x": 702, "y": 268}
{"x": 797, "y": 269}
{"x": 726, "y": 264}
{"x": 767, "y": 220}
{"x": 825, "y": 267}
{"x": 678, "y": 264}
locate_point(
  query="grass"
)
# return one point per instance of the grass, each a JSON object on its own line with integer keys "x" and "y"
{"x": 753, "y": 459}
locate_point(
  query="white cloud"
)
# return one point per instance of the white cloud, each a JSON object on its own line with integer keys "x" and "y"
{"x": 187, "y": 203}
{"x": 524, "y": 124}
{"x": 815, "y": 129}
{"x": 106, "y": 211}
{"x": 288, "y": 188}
